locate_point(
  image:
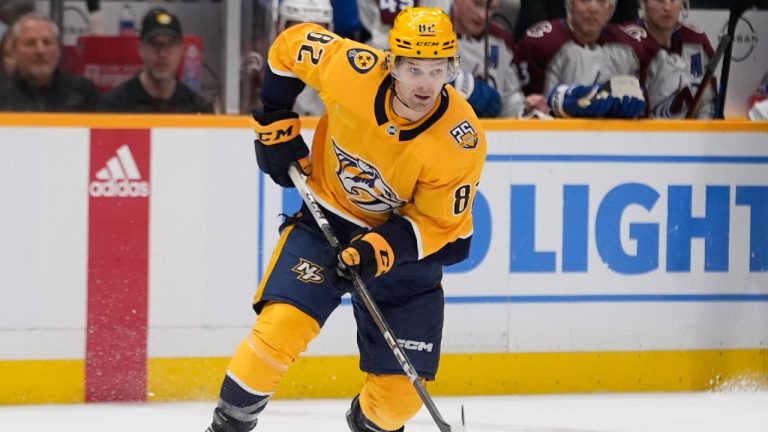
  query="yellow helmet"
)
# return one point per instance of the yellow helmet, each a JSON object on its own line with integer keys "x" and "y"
{"x": 423, "y": 33}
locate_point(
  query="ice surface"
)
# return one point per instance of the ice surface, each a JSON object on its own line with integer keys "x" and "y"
{"x": 647, "y": 412}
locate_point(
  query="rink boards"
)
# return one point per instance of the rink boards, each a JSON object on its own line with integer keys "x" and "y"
{"x": 608, "y": 256}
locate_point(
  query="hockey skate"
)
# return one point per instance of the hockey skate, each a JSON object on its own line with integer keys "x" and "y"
{"x": 224, "y": 423}
{"x": 359, "y": 423}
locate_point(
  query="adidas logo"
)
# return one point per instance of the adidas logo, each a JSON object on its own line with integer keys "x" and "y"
{"x": 119, "y": 178}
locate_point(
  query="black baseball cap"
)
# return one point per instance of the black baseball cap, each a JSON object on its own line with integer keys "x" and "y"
{"x": 159, "y": 21}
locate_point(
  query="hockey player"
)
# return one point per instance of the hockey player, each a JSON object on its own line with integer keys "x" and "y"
{"x": 292, "y": 12}
{"x": 681, "y": 54}
{"x": 396, "y": 162}
{"x": 499, "y": 93}
{"x": 571, "y": 62}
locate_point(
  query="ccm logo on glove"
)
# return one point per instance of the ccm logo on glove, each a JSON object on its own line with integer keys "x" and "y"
{"x": 370, "y": 254}
{"x": 279, "y": 144}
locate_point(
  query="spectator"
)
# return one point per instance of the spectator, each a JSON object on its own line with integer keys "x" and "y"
{"x": 533, "y": 11}
{"x": 489, "y": 81}
{"x": 37, "y": 83}
{"x": 292, "y": 12}
{"x": 155, "y": 89}
{"x": 571, "y": 60}
{"x": 681, "y": 53}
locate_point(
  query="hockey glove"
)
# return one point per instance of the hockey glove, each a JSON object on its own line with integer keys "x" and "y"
{"x": 279, "y": 143}
{"x": 369, "y": 254}
{"x": 485, "y": 100}
{"x": 626, "y": 89}
{"x": 592, "y": 101}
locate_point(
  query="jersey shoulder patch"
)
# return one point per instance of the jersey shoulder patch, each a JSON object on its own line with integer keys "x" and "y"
{"x": 635, "y": 31}
{"x": 539, "y": 29}
{"x": 361, "y": 59}
{"x": 465, "y": 135}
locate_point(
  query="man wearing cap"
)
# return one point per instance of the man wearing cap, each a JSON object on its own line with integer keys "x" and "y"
{"x": 155, "y": 89}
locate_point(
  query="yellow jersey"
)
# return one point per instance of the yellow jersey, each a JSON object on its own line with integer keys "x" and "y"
{"x": 367, "y": 161}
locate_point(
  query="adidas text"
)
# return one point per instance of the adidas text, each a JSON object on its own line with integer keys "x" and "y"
{"x": 119, "y": 188}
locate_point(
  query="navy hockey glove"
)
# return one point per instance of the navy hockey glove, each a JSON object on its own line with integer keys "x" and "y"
{"x": 485, "y": 100}
{"x": 631, "y": 101}
{"x": 370, "y": 254}
{"x": 629, "y": 107}
{"x": 279, "y": 143}
{"x": 592, "y": 101}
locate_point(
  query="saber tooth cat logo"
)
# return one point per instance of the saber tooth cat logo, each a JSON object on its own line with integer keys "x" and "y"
{"x": 364, "y": 183}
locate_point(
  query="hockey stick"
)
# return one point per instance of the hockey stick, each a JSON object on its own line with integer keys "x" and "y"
{"x": 737, "y": 9}
{"x": 370, "y": 304}
{"x": 709, "y": 71}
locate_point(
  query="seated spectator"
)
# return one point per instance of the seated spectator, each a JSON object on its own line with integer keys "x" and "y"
{"x": 681, "y": 54}
{"x": 37, "y": 83}
{"x": 489, "y": 81}
{"x": 570, "y": 62}
{"x": 292, "y": 12}
{"x": 533, "y": 11}
{"x": 155, "y": 89}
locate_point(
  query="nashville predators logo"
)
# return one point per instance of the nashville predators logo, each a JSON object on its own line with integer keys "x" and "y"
{"x": 364, "y": 184}
{"x": 465, "y": 136}
{"x": 361, "y": 59}
{"x": 308, "y": 271}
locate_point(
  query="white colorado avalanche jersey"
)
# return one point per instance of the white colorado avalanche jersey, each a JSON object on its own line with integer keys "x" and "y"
{"x": 548, "y": 55}
{"x": 308, "y": 103}
{"x": 502, "y": 73}
{"x": 674, "y": 74}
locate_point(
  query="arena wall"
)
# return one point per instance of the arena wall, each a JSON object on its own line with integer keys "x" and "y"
{"x": 608, "y": 256}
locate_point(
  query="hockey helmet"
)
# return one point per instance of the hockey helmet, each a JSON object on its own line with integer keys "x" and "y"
{"x": 316, "y": 11}
{"x": 423, "y": 33}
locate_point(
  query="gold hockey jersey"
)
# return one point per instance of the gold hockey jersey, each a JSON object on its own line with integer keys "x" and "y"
{"x": 367, "y": 161}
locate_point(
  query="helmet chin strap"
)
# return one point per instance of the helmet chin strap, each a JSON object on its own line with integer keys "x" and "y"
{"x": 394, "y": 93}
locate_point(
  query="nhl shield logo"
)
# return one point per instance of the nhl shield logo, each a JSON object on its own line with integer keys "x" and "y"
{"x": 362, "y": 60}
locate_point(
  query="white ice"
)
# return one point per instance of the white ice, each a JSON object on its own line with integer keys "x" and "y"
{"x": 647, "y": 412}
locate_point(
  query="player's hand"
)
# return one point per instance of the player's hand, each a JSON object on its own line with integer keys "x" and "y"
{"x": 279, "y": 143}
{"x": 592, "y": 101}
{"x": 485, "y": 100}
{"x": 369, "y": 254}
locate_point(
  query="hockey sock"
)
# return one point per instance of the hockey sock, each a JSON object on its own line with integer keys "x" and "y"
{"x": 280, "y": 334}
{"x": 389, "y": 401}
